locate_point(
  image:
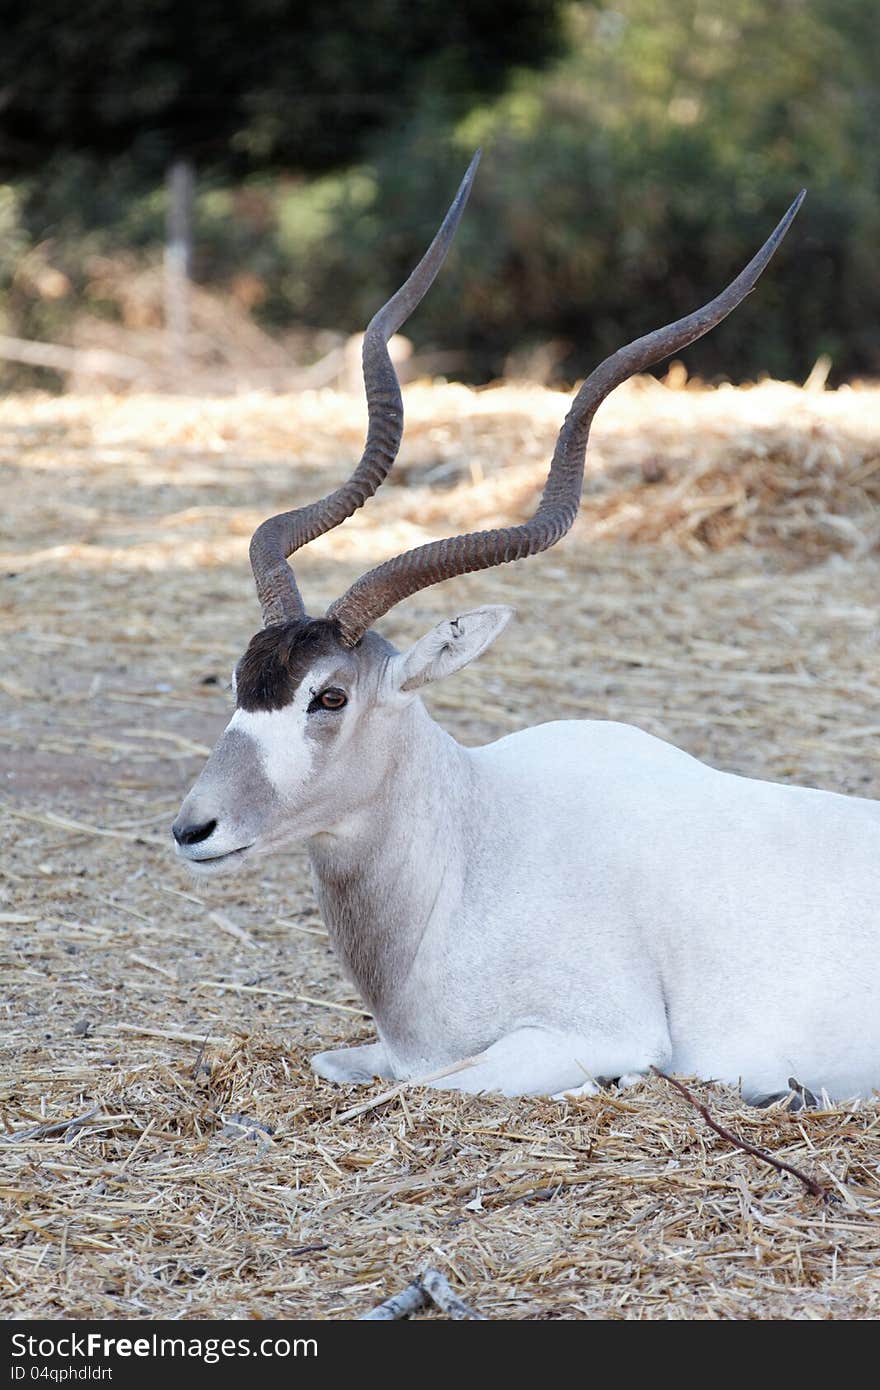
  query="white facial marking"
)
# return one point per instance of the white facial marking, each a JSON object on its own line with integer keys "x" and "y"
{"x": 280, "y": 738}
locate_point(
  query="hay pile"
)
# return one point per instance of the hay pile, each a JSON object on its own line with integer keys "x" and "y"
{"x": 166, "y": 1150}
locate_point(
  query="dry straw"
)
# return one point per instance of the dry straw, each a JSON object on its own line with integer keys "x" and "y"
{"x": 165, "y": 1149}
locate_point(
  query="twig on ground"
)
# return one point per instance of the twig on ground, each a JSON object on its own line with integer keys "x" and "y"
{"x": 175, "y": 1035}
{"x": 331, "y": 1004}
{"x": 431, "y": 1286}
{"x": 231, "y": 987}
{"x": 813, "y": 1187}
{"x": 226, "y": 924}
{"x": 538, "y": 1194}
{"x": 436, "y": 1286}
{"x": 201, "y": 1052}
{"x": 56, "y": 1127}
{"x": 399, "y": 1305}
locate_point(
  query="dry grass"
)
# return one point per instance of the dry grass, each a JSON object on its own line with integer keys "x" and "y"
{"x": 207, "y": 1172}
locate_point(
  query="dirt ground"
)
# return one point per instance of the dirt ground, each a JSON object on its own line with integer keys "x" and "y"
{"x": 164, "y": 1148}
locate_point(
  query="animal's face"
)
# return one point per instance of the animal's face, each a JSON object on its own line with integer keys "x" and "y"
{"x": 285, "y": 767}
{"x": 314, "y": 734}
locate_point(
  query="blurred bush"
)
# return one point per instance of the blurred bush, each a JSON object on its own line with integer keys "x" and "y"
{"x": 621, "y": 185}
{"x": 627, "y": 185}
{"x": 255, "y": 85}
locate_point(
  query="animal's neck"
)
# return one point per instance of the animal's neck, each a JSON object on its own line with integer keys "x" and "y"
{"x": 386, "y": 875}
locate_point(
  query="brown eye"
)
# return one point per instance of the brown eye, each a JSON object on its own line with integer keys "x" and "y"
{"x": 332, "y": 698}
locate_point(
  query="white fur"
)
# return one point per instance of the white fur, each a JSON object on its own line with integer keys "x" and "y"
{"x": 284, "y": 752}
{"x": 579, "y": 900}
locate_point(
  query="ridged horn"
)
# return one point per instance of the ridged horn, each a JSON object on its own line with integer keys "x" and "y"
{"x": 281, "y": 536}
{"x": 386, "y": 585}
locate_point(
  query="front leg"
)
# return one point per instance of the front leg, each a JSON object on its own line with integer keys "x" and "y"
{"x": 353, "y": 1065}
{"x": 527, "y": 1062}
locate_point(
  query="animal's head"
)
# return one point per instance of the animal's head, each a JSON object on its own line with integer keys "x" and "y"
{"x": 315, "y": 732}
{"x": 319, "y": 702}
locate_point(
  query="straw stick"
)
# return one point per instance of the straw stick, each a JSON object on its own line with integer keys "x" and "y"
{"x": 813, "y": 1187}
{"x": 397, "y": 1090}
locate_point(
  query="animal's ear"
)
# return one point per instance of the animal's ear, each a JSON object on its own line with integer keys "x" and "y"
{"x": 448, "y": 647}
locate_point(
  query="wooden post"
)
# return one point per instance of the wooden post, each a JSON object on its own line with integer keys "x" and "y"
{"x": 179, "y": 185}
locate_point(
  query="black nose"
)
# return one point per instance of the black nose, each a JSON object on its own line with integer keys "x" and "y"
{"x": 193, "y": 834}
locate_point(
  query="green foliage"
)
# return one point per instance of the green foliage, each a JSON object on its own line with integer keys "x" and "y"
{"x": 628, "y": 184}
{"x": 622, "y": 184}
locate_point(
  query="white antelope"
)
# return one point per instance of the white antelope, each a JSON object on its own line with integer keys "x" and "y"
{"x": 577, "y": 901}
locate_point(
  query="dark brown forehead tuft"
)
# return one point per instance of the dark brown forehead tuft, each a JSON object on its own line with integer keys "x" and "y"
{"x": 271, "y": 670}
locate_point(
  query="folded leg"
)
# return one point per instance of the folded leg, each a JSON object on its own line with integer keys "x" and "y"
{"x": 353, "y": 1065}
{"x": 531, "y": 1062}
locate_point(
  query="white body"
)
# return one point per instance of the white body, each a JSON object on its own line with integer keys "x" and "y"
{"x": 576, "y": 901}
